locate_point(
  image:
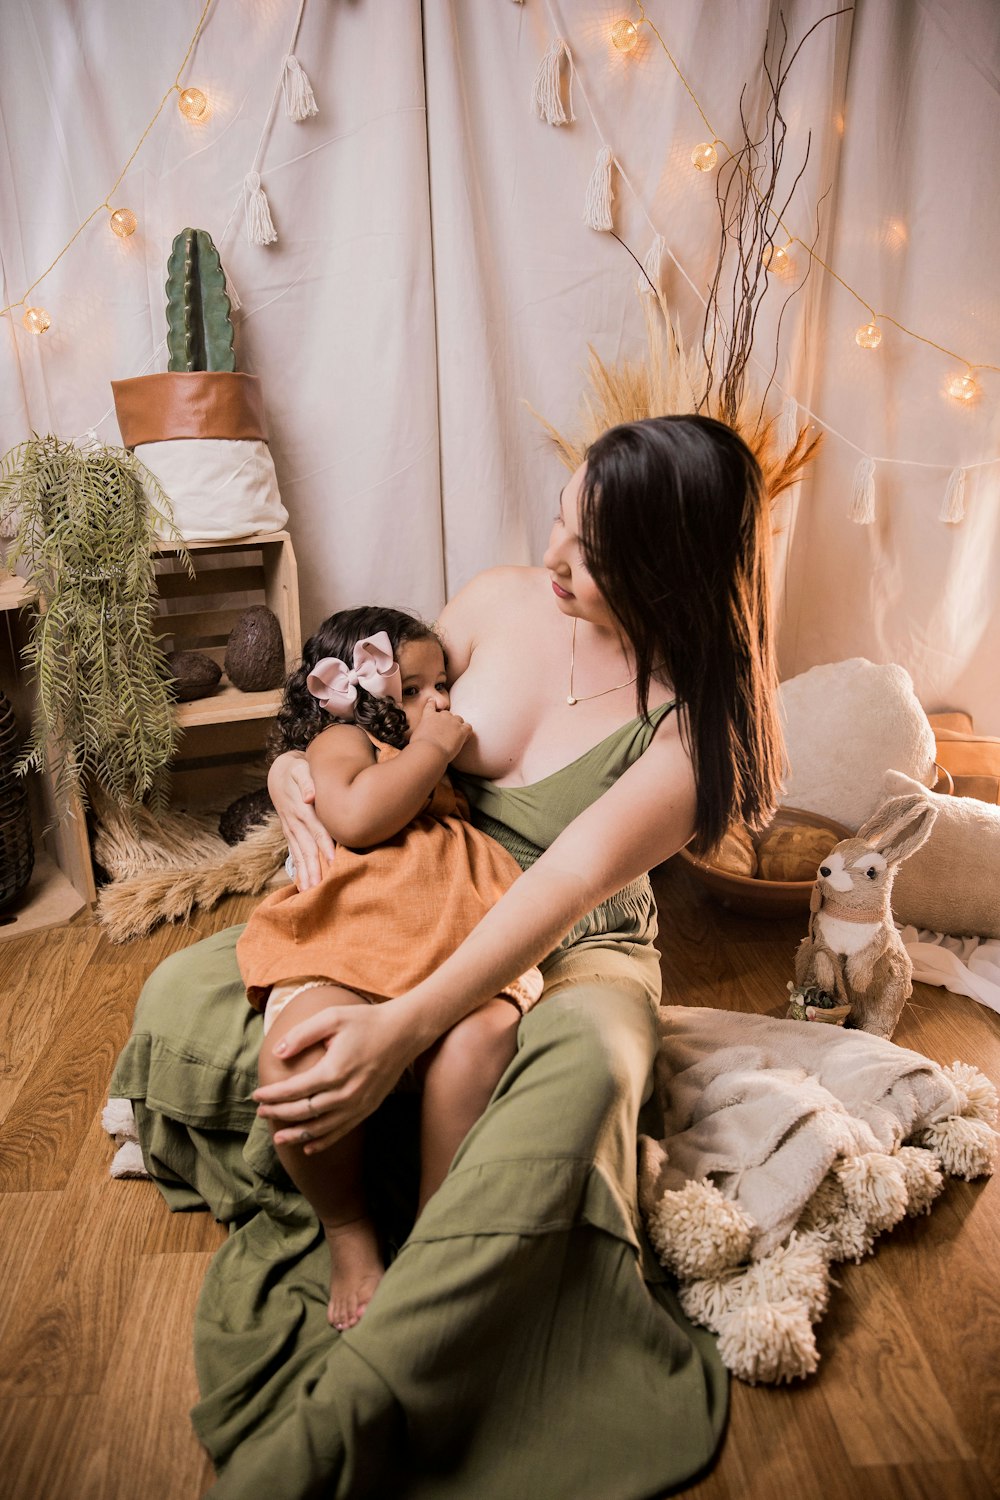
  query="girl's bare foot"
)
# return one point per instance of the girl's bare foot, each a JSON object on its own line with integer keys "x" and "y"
{"x": 355, "y": 1270}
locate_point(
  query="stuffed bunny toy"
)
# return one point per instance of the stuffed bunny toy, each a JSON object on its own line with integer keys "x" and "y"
{"x": 852, "y": 949}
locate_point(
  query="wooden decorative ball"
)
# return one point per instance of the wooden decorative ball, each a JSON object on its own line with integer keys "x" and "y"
{"x": 255, "y": 655}
{"x": 736, "y": 852}
{"x": 195, "y": 673}
{"x": 793, "y": 853}
{"x": 245, "y": 813}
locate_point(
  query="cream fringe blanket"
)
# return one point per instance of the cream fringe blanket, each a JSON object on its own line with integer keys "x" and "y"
{"x": 789, "y": 1146}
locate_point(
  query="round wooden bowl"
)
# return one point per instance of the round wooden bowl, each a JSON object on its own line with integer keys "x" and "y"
{"x": 764, "y": 898}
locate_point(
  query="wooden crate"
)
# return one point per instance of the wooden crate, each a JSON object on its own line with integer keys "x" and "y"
{"x": 62, "y": 881}
{"x": 224, "y": 735}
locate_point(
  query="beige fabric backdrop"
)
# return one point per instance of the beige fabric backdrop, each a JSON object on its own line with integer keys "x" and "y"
{"x": 433, "y": 274}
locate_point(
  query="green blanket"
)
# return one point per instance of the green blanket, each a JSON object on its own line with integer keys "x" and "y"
{"x": 523, "y": 1341}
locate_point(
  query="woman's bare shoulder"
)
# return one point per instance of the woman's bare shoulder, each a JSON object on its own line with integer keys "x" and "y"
{"x": 497, "y": 594}
{"x": 497, "y": 584}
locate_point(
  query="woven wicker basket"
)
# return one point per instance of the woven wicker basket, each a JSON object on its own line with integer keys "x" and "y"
{"x": 17, "y": 855}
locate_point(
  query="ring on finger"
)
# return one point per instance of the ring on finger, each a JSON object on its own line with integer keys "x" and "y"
{"x": 304, "y": 1135}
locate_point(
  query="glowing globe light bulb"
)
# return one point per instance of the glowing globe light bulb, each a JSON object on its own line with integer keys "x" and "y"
{"x": 777, "y": 259}
{"x": 624, "y": 35}
{"x": 868, "y": 336}
{"x": 36, "y": 319}
{"x": 123, "y": 222}
{"x": 963, "y": 387}
{"x": 705, "y": 156}
{"x": 193, "y": 105}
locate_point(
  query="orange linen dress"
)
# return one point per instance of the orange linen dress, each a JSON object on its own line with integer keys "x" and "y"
{"x": 381, "y": 919}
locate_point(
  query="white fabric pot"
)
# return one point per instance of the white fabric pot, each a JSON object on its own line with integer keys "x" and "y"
{"x": 220, "y": 488}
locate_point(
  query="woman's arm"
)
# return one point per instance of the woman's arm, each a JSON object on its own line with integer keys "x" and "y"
{"x": 644, "y": 818}
{"x": 361, "y": 801}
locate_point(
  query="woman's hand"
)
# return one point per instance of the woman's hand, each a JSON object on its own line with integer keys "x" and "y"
{"x": 366, "y": 1052}
{"x": 293, "y": 793}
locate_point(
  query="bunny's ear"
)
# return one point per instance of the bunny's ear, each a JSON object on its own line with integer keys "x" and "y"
{"x": 899, "y": 827}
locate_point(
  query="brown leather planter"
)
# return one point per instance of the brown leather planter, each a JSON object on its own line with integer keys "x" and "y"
{"x": 203, "y": 435}
{"x": 200, "y": 404}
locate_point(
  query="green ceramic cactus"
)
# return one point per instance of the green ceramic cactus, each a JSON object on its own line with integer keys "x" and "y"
{"x": 199, "y": 332}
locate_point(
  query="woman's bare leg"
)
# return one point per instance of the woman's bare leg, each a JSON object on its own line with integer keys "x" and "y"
{"x": 459, "y": 1075}
{"x": 331, "y": 1180}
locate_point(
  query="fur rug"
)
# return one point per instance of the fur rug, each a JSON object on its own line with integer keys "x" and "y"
{"x": 787, "y": 1147}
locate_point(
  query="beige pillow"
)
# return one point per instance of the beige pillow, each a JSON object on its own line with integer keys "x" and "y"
{"x": 846, "y": 723}
{"x": 951, "y": 884}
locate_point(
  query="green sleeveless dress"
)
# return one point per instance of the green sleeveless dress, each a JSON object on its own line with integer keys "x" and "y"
{"x": 523, "y": 1339}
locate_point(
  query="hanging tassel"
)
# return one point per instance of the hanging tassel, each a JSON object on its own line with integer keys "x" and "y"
{"x": 235, "y": 300}
{"x": 788, "y": 424}
{"x": 597, "y": 207}
{"x": 546, "y": 99}
{"x": 953, "y": 505}
{"x": 651, "y": 266}
{"x": 300, "y": 101}
{"x": 260, "y": 229}
{"x": 862, "y": 509}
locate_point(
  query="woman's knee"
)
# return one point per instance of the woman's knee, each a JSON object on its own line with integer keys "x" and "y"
{"x": 604, "y": 1035}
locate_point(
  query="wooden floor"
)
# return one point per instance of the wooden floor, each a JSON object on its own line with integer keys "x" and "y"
{"x": 98, "y": 1282}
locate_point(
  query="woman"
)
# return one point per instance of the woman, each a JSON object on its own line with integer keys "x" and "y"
{"x": 523, "y": 1339}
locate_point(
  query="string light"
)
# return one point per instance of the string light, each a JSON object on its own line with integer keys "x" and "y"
{"x": 704, "y": 157}
{"x": 193, "y": 105}
{"x": 777, "y": 259}
{"x": 963, "y": 387}
{"x": 624, "y": 35}
{"x": 36, "y": 319}
{"x": 123, "y": 222}
{"x": 106, "y": 202}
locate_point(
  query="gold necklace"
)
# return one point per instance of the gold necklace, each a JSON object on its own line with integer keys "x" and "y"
{"x": 571, "y": 699}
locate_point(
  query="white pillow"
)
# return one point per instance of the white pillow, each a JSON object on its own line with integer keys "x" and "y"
{"x": 846, "y": 724}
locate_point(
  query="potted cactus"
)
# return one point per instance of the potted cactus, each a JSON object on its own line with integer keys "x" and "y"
{"x": 200, "y": 427}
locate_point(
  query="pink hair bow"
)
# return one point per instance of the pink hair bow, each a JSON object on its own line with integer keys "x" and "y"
{"x": 335, "y": 685}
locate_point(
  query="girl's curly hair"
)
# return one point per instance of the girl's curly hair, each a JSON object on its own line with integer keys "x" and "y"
{"x": 300, "y": 718}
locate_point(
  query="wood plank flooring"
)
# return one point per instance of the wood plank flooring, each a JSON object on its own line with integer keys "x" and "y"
{"x": 98, "y": 1282}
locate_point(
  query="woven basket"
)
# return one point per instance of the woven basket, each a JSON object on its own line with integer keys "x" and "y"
{"x": 17, "y": 855}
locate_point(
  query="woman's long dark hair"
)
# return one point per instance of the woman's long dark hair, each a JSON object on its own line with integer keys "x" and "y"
{"x": 674, "y": 530}
{"x": 301, "y": 719}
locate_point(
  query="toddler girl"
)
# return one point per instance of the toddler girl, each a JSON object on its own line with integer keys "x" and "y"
{"x": 410, "y": 877}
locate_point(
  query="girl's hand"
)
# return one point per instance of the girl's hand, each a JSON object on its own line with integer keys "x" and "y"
{"x": 442, "y": 728}
{"x": 366, "y": 1052}
{"x": 293, "y": 792}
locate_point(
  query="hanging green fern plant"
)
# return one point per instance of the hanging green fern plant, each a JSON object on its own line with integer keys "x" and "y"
{"x": 85, "y": 522}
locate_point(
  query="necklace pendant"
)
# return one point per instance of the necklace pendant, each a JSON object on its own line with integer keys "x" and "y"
{"x": 570, "y": 700}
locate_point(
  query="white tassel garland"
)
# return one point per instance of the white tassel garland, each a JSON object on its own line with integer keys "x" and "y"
{"x": 788, "y": 424}
{"x": 953, "y": 505}
{"x": 260, "y": 229}
{"x": 862, "y": 508}
{"x": 300, "y": 101}
{"x": 546, "y": 99}
{"x": 597, "y": 207}
{"x": 651, "y": 265}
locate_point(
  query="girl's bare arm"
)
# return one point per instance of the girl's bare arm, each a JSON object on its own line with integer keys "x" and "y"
{"x": 361, "y": 801}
